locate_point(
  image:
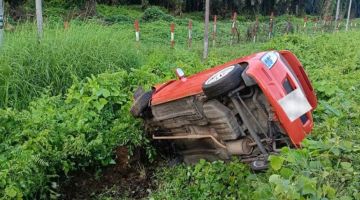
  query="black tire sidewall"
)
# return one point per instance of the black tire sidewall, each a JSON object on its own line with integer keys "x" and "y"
{"x": 227, "y": 83}
{"x": 141, "y": 103}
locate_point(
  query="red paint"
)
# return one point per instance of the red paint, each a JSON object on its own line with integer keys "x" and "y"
{"x": 269, "y": 80}
{"x": 136, "y": 25}
{"x": 193, "y": 85}
{"x": 302, "y": 76}
{"x": 172, "y": 27}
{"x": 190, "y": 25}
{"x": 215, "y": 19}
{"x": 274, "y": 91}
{"x": 234, "y": 16}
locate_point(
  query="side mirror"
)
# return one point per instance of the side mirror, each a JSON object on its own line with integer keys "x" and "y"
{"x": 180, "y": 74}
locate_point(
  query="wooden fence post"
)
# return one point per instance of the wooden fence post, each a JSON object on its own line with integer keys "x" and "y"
{"x": 1, "y": 22}
{"x": 338, "y": 26}
{"x": 289, "y": 27}
{"x": 305, "y": 23}
{"x": 271, "y": 25}
{"x": 137, "y": 31}
{"x": 256, "y": 29}
{"x": 214, "y": 31}
{"x": 315, "y": 24}
{"x": 325, "y": 24}
{"x": 234, "y": 30}
{"x": 39, "y": 18}
{"x": 66, "y": 25}
{"x": 172, "y": 35}
{"x": 190, "y": 34}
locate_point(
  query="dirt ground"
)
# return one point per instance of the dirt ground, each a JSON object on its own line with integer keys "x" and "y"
{"x": 124, "y": 180}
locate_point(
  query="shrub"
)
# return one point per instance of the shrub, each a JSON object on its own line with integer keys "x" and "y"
{"x": 58, "y": 134}
{"x": 154, "y": 13}
{"x": 118, "y": 19}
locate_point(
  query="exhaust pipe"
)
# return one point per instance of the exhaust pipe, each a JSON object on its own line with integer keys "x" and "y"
{"x": 240, "y": 147}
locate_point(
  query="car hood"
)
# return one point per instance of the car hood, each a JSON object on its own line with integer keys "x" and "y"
{"x": 192, "y": 85}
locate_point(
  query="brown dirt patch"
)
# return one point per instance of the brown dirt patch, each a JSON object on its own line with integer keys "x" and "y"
{"x": 126, "y": 179}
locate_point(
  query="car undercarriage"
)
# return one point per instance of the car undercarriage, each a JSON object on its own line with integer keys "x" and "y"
{"x": 219, "y": 128}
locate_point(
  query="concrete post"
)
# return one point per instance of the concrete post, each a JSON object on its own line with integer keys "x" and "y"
{"x": 1, "y": 22}
{"x": 39, "y": 18}
{"x": 348, "y": 16}
{"x": 206, "y": 31}
{"x": 337, "y": 13}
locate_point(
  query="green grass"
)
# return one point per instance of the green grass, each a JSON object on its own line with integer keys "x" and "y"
{"x": 27, "y": 67}
{"x": 64, "y": 129}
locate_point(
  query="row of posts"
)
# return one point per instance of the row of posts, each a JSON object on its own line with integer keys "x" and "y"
{"x": 235, "y": 34}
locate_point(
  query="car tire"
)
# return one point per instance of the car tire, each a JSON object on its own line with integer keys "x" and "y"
{"x": 222, "y": 81}
{"x": 140, "y": 104}
{"x": 259, "y": 165}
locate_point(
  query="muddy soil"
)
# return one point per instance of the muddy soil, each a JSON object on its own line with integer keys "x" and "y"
{"x": 127, "y": 179}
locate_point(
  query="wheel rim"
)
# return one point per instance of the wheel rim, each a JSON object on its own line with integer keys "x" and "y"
{"x": 258, "y": 163}
{"x": 220, "y": 74}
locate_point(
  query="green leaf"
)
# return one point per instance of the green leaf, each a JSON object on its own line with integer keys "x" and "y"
{"x": 11, "y": 192}
{"x": 315, "y": 164}
{"x": 329, "y": 191}
{"x": 286, "y": 172}
{"x": 105, "y": 93}
{"x": 276, "y": 162}
{"x": 275, "y": 178}
{"x": 347, "y": 166}
{"x": 308, "y": 185}
{"x": 100, "y": 104}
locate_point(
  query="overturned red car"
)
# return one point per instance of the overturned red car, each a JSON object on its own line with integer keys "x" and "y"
{"x": 249, "y": 107}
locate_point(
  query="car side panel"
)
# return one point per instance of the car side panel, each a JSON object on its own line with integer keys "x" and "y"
{"x": 192, "y": 85}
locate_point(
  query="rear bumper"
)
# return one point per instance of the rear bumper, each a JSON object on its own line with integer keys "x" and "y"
{"x": 285, "y": 76}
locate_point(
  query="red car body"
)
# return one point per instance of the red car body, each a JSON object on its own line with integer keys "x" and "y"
{"x": 270, "y": 81}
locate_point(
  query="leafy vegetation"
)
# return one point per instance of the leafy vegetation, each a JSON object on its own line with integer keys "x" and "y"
{"x": 65, "y": 105}
{"x": 57, "y": 134}
{"x": 155, "y": 13}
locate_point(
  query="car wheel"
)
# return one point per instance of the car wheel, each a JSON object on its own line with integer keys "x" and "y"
{"x": 223, "y": 81}
{"x": 259, "y": 165}
{"x": 140, "y": 104}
